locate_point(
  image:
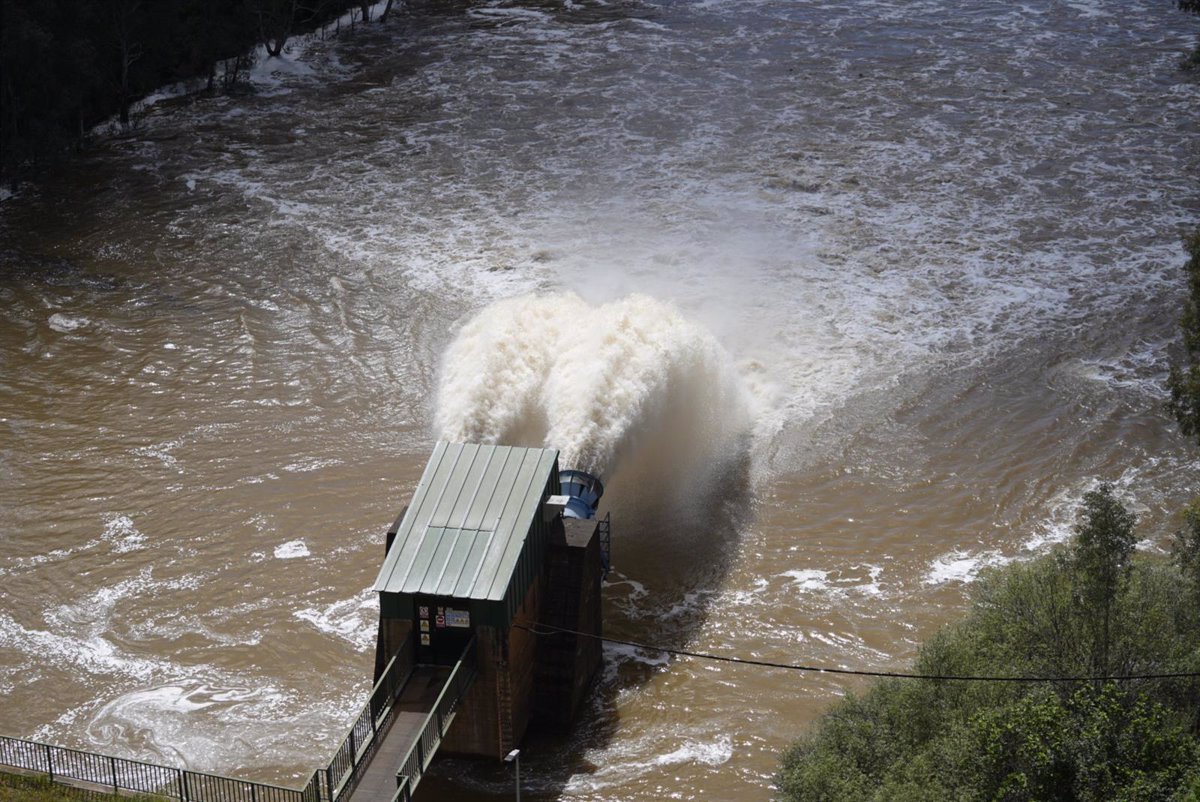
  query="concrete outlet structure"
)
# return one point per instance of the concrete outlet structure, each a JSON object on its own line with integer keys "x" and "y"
{"x": 483, "y": 556}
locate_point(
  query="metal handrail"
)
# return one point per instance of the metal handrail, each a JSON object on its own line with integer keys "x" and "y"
{"x": 325, "y": 785}
{"x": 351, "y": 754}
{"x": 123, "y": 774}
{"x": 605, "y": 527}
{"x": 416, "y": 760}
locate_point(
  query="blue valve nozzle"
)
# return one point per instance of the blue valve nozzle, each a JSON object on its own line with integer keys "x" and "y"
{"x": 583, "y": 491}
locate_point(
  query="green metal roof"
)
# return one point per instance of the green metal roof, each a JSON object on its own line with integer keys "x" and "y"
{"x": 464, "y": 533}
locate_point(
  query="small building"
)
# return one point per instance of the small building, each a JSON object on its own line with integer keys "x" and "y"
{"x": 483, "y": 552}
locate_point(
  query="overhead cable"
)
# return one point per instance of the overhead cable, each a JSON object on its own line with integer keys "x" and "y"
{"x": 549, "y": 630}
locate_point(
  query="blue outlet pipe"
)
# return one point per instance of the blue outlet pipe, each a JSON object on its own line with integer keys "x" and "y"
{"x": 584, "y": 492}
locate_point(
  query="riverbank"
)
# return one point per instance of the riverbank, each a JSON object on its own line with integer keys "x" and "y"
{"x": 21, "y": 788}
{"x": 73, "y": 66}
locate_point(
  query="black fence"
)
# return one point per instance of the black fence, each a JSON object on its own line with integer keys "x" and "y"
{"x": 120, "y": 774}
{"x": 123, "y": 775}
{"x": 367, "y": 731}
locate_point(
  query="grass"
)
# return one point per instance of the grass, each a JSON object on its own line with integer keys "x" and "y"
{"x": 21, "y": 788}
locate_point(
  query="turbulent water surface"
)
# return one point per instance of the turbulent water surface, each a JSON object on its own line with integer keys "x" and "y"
{"x": 876, "y": 290}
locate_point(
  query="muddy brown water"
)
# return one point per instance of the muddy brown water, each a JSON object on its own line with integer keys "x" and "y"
{"x": 941, "y": 246}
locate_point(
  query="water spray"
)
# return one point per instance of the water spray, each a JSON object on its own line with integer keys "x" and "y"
{"x": 607, "y": 386}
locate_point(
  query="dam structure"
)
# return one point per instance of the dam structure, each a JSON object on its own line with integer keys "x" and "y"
{"x": 495, "y": 542}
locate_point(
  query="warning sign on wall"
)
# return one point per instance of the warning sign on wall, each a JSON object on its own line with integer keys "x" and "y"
{"x": 458, "y": 618}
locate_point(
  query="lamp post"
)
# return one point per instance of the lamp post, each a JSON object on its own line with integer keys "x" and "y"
{"x": 515, "y": 757}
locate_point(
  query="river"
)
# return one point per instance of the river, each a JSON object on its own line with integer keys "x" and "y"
{"x": 939, "y": 242}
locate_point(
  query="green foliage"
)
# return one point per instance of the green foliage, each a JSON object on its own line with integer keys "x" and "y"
{"x": 1103, "y": 545}
{"x": 1080, "y": 741}
{"x": 1186, "y": 550}
{"x": 1102, "y": 549}
{"x": 1098, "y": 744}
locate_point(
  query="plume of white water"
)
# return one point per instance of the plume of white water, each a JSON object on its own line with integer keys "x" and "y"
{"x": 597, "y": 383}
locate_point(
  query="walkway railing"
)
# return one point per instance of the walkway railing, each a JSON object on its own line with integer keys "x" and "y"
{"x": 605, "y": 527}
{"x": 367, "y": 731}
{"x": 120, "y": 774}
{"x": 412, "y": 767}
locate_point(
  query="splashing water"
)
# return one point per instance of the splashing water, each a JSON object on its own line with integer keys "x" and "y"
{"x": 597, "y": 383}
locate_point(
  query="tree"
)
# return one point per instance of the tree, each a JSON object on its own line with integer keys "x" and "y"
{"x": 932, "y": 740}
{"x": 1103, "y": 546}
{"x": 1186, "y": 548}
{"x": 66, "y": 65}
{"x": 276, "y": 20}
{"x": 124, "y": 18}
{"x": 1192, "y": 7}
{"x": 1184, "y": 380}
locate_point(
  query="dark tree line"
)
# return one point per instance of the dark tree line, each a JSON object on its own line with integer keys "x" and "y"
{"x": 66, "y": 65}
{"x": 1193, "y": 7}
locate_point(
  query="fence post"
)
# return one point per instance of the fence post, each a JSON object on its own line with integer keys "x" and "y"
{"x": 184, "y": 774}
{"x": 179, "y": 780}
{"x": 253, "y": 792}
{"x": 329, "y": 784}
{"x": 113, "y": 763}
{"x": 50, "y": 762}
{"x": 353, "y": 749}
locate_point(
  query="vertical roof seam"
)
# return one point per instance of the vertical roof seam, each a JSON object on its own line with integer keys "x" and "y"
{"x": 437, "y": 502}
{"x": 409, "y": 522}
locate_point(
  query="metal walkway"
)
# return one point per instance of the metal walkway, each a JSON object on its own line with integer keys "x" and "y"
{"x": 417, "y": 722}
{"x": 382, "y": 758}
{"x": 378, "y": 781}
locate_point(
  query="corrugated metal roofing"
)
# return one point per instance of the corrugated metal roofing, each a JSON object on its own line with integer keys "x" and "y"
{"x": 466, "y": 527}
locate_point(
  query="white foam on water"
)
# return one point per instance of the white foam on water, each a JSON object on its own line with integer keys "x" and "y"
{"x": 808, "y": 579}
{"x": 65, "y": 324}
{"x": 616, "y": 766}
{"x": 1142, "y": 369}
{"x": 959, "y": 566}
{"x": 848, "y": 580}
{"x": 311, "y": 464}
{"x": 122, "y": 534}
{"x": 872, "y": 587}
{"x": 162, "y": 452}
{"x": 291, "y": 550}
{"x": 617, "y": 653}
{"x": 183, "y": 721}
{"x": 714, "y": 753}
{"x": 353, "y": 620}
{"x": 77, "y": 638}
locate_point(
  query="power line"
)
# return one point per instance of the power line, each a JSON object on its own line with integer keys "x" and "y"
{"x": 548, "y": 630}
